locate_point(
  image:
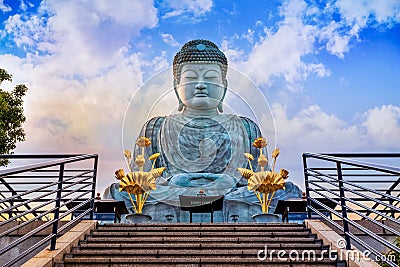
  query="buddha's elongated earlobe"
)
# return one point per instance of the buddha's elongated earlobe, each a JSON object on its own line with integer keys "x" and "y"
{"x": 219, "y": 107}
{"x": 181, "y": 105}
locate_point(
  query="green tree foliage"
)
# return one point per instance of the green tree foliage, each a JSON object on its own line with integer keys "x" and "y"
{"x": 11, "y": 116}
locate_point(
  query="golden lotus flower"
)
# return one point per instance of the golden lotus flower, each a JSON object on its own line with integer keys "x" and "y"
{"x": 262, "y": 161}
{"x": 284, "y": 173}
{"x": 140, "y": 160}
{"x": 266, "y": 182}
{"x": 137, "y": 183}
{"x": 260, "y": 142}
{"x": 119, "y": 174}
{"x": 143, "y": 141}
{"x": 246, "y": 173}
{"x": 249, "y": 156}
{"x": 127, "y": 154}
{"x": 275, "y": 153}
{"x": 154, "y": 156}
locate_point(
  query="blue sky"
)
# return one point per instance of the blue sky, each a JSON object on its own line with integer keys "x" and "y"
{"x": 329, "y": 69}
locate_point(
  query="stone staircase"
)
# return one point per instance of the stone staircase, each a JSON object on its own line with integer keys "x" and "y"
{"x": 200, "y": 244}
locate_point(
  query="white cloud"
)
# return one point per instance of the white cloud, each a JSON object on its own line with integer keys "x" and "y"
{"x": 359, "y": 13}
{"x": 234, "y": 55}
{"x": 80, "y": 75}
{"x": 185, "y": 7}
{"x": 4, "y": 8}
{"x": 249, "y": 36}
{"x": 23, "y": 6}
{"x": 284, "y": 51}
{"x": 169, "y": 39}
{"x": 313, "y": 130}
{"x": 280, "y": 53}
{"x": 356, "y": 15}
{"x": 383, "y": 126}
{"x": 82, "y": 37}
{"x": 32, "y": 33}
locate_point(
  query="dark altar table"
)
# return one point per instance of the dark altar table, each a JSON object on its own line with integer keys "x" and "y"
{"x": 107, "y": 209}
{"x": 299, "y": 206}
{"x": 201, "y": 204}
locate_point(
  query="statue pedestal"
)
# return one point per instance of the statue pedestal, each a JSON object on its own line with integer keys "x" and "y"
{"x": 265, "y": 218}
{"x": 138, "y": 218}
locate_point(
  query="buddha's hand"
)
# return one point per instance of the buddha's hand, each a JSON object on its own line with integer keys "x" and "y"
{"x": 203, "y": 179}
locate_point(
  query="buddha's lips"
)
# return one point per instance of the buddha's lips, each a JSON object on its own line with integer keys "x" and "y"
{"x": 201, "y": 95}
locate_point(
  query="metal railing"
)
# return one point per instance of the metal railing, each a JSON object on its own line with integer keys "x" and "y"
{"x": 360, "y": 191}
{"x": 44, "y": 192}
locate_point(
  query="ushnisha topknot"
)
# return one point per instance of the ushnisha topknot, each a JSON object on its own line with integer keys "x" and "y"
{"x": 199, "y": 51}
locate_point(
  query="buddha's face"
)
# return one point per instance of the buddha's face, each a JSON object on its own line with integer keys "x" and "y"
{"x": 201, "y": 86}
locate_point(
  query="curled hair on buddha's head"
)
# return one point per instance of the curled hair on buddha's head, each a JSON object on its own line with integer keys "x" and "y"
{"x": 199, "y": 51}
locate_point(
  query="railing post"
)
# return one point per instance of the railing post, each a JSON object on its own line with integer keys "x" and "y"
{"x": 11, "y": 205}
{"x": 307, "y": 187}
{"x": 96, "y": 159}
{"x": 343, "y": 204}
{"x": 57, "y": 208}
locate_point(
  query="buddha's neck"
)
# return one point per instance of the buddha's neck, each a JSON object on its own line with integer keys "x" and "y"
{"x": 200, "y": 113}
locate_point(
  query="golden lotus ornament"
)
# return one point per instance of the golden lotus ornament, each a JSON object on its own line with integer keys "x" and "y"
{"x": 264, "y": 183}
{"x": 139, "y": 183}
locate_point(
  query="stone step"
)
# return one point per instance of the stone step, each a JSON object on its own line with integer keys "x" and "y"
{"x": 193, "y": 261}
{"x": 183, "y": 225}
{"x": 199, "y": 244}
{"x": 140, "y": 234}
{"x": 200, "y": 228}
{"x": 178, "y": 246}
{"x": 203, "y": 253}
{"x": 177, "y": 239}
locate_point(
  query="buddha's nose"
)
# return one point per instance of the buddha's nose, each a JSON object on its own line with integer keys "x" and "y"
{"x": 200, "y": 85}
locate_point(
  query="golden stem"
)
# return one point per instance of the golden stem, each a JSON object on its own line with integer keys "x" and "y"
{"x": 139, "y": 203}
{"x": 258, "y": 196}
{"x": 270, "y": 199}
{"x": 263, "y": 206}
{"x": 261, "y": 152}
{"x": 133, "y": 203}
{"x": 251, "y": 167}
{"x": 273, "y": 166}
{"x": 154, "y": 163}
{"x": 146, "y": 194}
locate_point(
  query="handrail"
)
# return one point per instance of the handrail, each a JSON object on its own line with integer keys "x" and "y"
{"x": 337, "y": 178}
{"x": 30, "y": 196}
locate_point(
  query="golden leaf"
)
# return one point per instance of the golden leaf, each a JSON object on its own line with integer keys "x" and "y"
{"x": 155, "y": 173}
{"x": 260, "y": 142}
{"x": 249, "y": 156}
{"x": 143, "y": 141}
{"x": 137, "y": 183}
{"x": 154, "y": 156}
{"x": 284, "y": 173}
{"x": 266, "y": 182}
{"x": 119, "y": 174}
{"x": 127, "y": 154}
{"x": 246, "y": 173}
{"x": 256, "y": 180}
{"x": 275, "y": 153}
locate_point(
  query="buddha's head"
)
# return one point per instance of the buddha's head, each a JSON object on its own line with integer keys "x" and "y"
{"x": 200, "y": 76}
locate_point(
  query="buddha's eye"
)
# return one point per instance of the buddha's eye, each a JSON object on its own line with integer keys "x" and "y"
{"x": 211, "y": 75}
{"x": 189, "y": 75}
